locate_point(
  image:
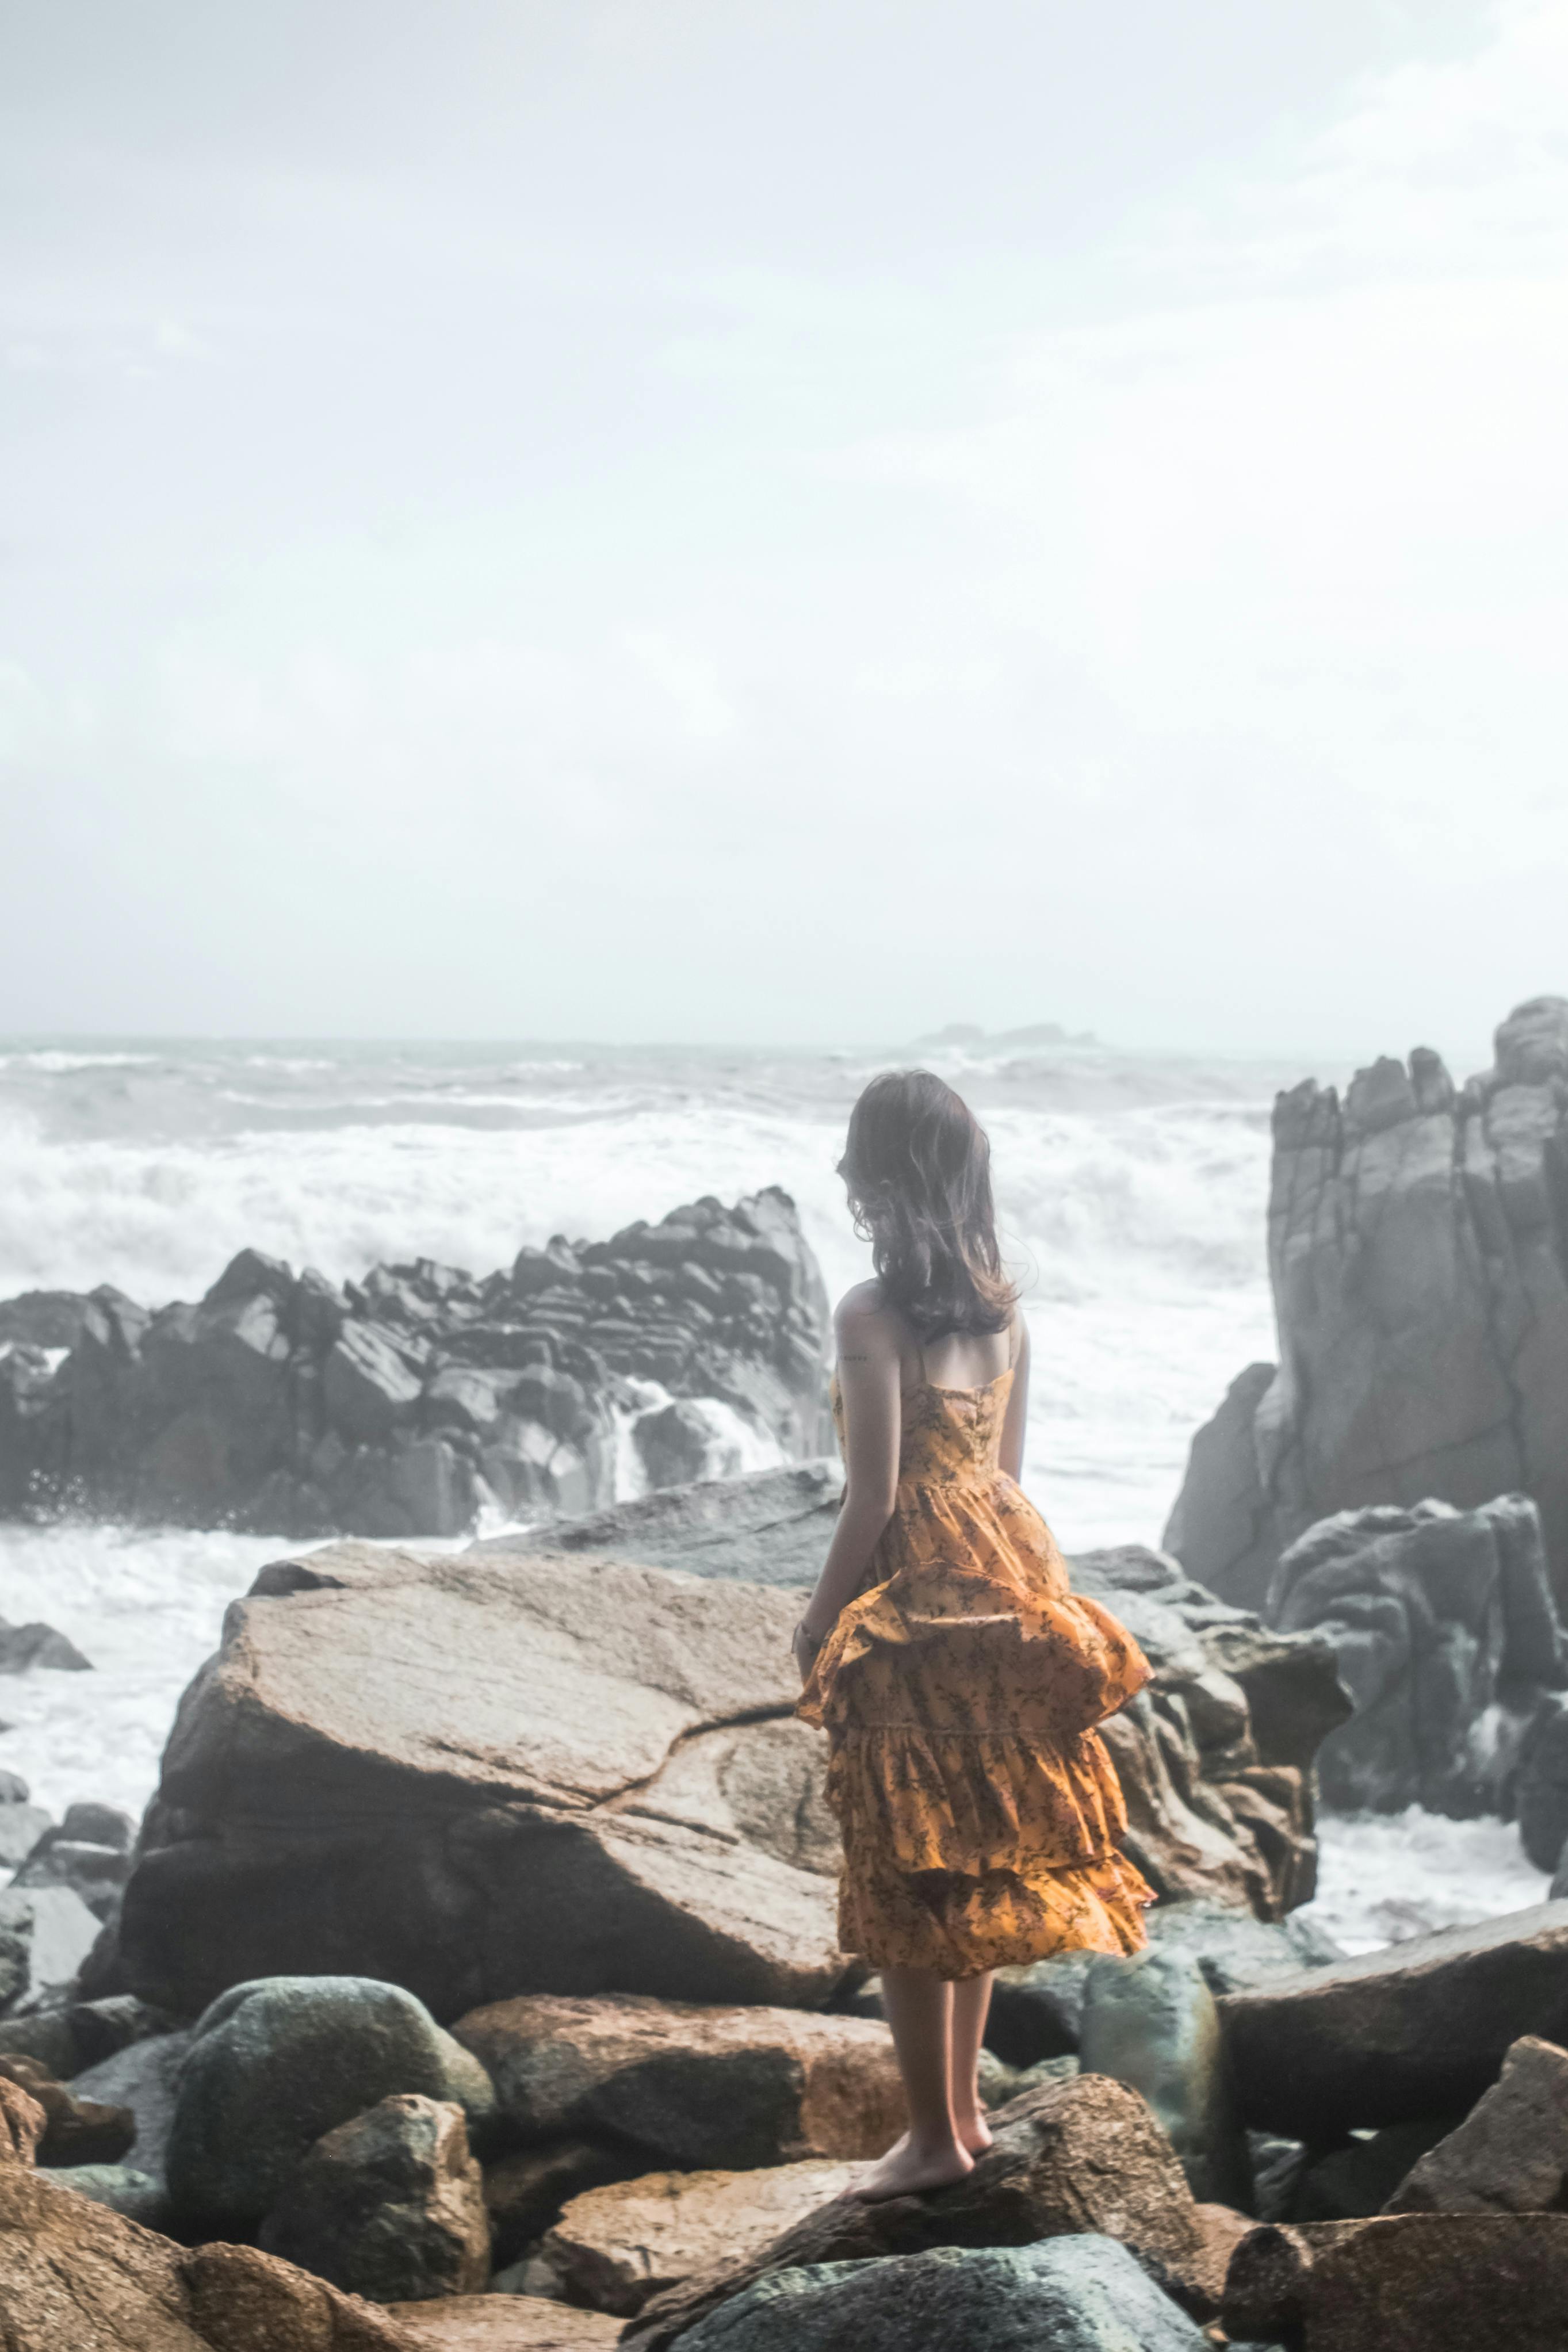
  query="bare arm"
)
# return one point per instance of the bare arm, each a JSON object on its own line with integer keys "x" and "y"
{"x": 1018, "y": 1420}
{"x": 869, "y": 1379}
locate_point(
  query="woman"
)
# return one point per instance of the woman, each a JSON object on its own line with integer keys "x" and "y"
{"x": 957, "y": 1676}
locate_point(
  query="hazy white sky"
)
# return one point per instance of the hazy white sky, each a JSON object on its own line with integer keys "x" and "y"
{"x": 704, "y": 519}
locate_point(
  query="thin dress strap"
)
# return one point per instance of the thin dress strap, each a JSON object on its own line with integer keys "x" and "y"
{"x": 920, "y": 1351}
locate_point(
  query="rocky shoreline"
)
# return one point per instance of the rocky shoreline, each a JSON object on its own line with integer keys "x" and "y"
{"x": 474, "y": 1984}
{"x": 471, "y": 1980}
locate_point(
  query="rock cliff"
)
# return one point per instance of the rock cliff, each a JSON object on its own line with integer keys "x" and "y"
{"x": 1418, "y": 1252}
{"x": 401, "y": 1405}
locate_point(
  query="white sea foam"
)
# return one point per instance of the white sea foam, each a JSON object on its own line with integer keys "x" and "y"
{"x": 50, "y": 1063}
{"x": 1382, "y": 1878}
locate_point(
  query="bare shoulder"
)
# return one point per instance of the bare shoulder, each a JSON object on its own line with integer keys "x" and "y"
{"x": 863, "y": 1326}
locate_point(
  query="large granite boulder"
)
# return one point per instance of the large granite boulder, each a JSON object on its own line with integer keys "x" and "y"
{"x": 478, "y": 1776}
{"x": 402, "y": 1405}
{"x": 1420, "y": 1278}
{"x": 1419, "y": 2029}
{"x": 1445, "y": 1632}
{"x": 1075, "y": 2156}
{"x": 1073, "y": 2295}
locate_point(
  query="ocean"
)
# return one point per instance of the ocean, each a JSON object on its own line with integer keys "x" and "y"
{"x": 1130, "y": 1194}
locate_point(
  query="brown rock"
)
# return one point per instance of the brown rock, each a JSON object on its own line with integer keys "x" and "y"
{"x": 485, "y": 1777}
{"x": 731, "y": 2088}
{"x": 23, "y": 2122}
{"x": 242, "y": 2300}
{"x": 504, "y": 2323}
{"x": 1266, "y": 2284}
{"x": 615, "y": 2247}
{"x": 76, "y": 2277}
{"x": 1406, "y": 2283}
{"x": 73, "y": 2274}
{"x": 525, "y": 2191}
{"x": 1080, "y": 2155}
{"x": 1511, "y": 2153}
{"x": 390, "y": 2205}
{"x": 76, "y": 2131}
{"x": 1221, "y": 2230}
{"x": 1419, "y": 2029}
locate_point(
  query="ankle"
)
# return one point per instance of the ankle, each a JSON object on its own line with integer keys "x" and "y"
{"x": 935, "y": 2139}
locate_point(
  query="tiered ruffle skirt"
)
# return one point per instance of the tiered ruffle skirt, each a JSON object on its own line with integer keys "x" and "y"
{"x": 979, "y": 1810}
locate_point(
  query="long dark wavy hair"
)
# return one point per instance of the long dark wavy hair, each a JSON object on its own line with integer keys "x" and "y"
{"x": 917, "y": 1166}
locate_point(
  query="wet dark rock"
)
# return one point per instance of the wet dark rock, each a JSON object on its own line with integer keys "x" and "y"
{"x": 1417, "y": 2029}
{"x": 389, "y": 2205}
{"x": 1541, "y": 1788}
{"x": 1352, "y": 2183}
{"x": 273, "y": 2066}
{"x": 23, "y": 1647}
{"x": 525, "y": 2190}
{"x": 1150, "y": 2022}
{"x": 1509, "y": 2154}
{"x": 1073, "y": 2295}
{"x": 1420, "y": 1279}
{"x": 1405, "y": 2283}
{"x": 404, "y": 1405}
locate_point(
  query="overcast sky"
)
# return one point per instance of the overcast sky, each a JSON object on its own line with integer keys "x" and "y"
{"x": 658, "y": 518}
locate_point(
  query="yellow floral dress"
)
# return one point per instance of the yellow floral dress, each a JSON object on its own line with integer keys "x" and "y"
{"x": 980, "y": 1811}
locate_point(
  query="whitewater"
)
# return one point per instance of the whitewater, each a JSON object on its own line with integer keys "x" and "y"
{"x": 1130, "y": 1195}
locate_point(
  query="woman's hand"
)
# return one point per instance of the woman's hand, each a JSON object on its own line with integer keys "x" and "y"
{"x": 806, "y": 1646}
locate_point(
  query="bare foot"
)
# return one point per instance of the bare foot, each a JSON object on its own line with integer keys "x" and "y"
{"x": 906, "y": 2170}
{"x": 974, "y": 2133}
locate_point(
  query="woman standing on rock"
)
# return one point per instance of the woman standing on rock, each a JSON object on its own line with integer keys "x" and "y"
{"x": 958, "y": 1676}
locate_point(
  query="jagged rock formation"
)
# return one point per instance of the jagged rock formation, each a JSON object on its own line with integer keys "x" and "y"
{"x": 1446, "y": 1634}
{"x": 1418, "y": 1252}
{"x": 401, "y": 1405}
